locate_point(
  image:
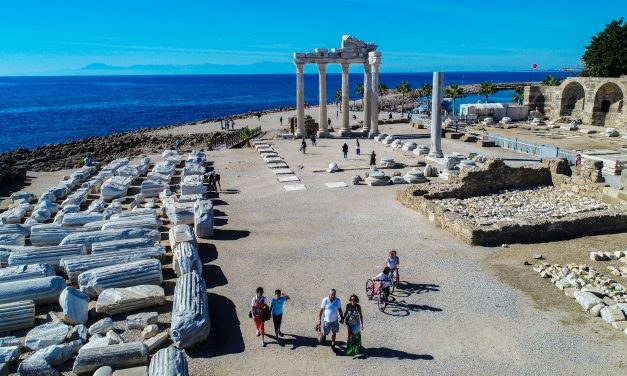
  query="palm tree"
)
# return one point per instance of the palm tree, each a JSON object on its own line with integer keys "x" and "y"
{"x": 487, "y": 88}
{"x": 519, "y": 94}
{"x": 551, "y": 81}
{"x": 338, "y": 97}
{"x": 383, "y": 89}
{"x": 454, "y": 91}
{"x": 403, "y": 88}
{"x": 359, "y": 89}
{"x": 425, "y": 91}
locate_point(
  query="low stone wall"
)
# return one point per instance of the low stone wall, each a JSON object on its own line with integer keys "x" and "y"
{"x": 495, "y": 177}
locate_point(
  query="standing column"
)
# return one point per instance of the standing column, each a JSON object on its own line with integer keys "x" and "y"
{"x": 436, "y": 116}
{"x": 366, "y": 100}
{"x": 345, "y": 130}
{"x": 323, "y": 126}
{"x": 300, "y": 102}
{"x": 375, "y": 62}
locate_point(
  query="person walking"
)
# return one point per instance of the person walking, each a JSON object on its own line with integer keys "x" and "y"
{"x": 257, "y": 306}
{"x": 357, "y": 148}
{"x": 313, "y": 139}
{"x": 212, "y": 181}
{"x": 303, "y": 146}
{"x": 345, "y": 150}
{"x": 373, "y": 159}
{"x": 177, "y": 144}
{"x": 337, "y": 114}
{"x": 217, "y": 181}
{"x": 281, "y": 120}
{"x": 354, "y": 320}
{"x": 329, "y": 122}
{"x": 331, "y": 312}
{"x": 276, "y": 306}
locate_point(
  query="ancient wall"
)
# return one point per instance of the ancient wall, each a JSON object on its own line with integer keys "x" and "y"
{"x": 597, "y": 101}
{"x": 495, "y": 176}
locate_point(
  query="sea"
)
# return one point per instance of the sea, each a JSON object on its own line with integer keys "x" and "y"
{"x": 35, "y": 111}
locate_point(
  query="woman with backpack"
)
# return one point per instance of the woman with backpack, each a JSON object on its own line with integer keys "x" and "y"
{"x": 259, "y": 312}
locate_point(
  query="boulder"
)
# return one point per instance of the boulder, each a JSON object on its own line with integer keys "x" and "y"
{"x": 9, "y": 354}
{"x": 150, "y": 331}
{"x": 612, "y": 313}
{"x": 75, "y": 305}
{"x": 49, "y": 334}
{"x": 79, "y": 333}
{"x": 104, "y": 371}
{"x": 587, "y": 300}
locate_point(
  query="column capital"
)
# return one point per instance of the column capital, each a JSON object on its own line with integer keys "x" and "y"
{"x": 300, "y": 68}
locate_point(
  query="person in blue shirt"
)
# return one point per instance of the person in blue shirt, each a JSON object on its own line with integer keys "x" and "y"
{"x": 276, "y": 306}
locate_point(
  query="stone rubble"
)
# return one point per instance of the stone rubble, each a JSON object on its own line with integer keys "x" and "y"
{"x": 45, "y": 335}
{"x": 75, "y": 305}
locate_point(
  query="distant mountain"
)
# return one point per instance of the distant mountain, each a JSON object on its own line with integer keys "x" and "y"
{"x": 104, "y": 69}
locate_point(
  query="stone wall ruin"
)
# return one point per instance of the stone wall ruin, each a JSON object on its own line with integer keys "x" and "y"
{"x": 576, "y": 211}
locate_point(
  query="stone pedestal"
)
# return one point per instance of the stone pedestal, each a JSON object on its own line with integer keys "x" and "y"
{"x": 345, "y": 130}
{"x": 436, "y": 116}
{"x": 300, "y": 102}
{"x": 323, "y": 126}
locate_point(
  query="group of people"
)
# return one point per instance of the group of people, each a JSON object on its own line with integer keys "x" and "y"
{"x": 226, "y": 123}
{"x": 214, "y": 181}
{"x": 330, "y": 316}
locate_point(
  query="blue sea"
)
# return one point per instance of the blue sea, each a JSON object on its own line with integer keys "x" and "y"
{"x": 41, "y": 110}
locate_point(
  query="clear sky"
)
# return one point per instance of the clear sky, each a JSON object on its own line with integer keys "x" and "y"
{"x": 54, "y": 35}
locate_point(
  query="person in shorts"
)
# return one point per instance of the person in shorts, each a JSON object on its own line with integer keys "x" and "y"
{"x": 331, "y": 312}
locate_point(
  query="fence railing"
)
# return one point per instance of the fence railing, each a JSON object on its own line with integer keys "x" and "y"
{"x": 227, "y": 140}
{"x": 541, "y": 151}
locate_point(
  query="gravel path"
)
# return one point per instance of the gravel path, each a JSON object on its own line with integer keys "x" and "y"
{"x": 452, "y": 315}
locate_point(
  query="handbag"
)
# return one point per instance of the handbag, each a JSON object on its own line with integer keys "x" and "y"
{"x": 250, "y": 314}
{"x": 265, "y": 313}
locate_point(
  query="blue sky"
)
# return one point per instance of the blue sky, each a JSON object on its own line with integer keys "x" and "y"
{"x": 48, "y": 36}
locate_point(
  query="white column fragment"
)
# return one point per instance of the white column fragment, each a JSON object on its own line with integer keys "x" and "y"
{"x": 436, "y": 116}
{"x": 323, "y": 126}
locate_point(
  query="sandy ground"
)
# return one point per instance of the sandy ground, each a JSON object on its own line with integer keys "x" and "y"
{"x": 460, "y": 309}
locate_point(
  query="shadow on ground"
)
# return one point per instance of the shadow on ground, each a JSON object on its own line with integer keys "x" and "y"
{"x": 220, "y": 234}
{"x": 225, "y": 338}
{"x": 213, "y": 276}
{"x": 384, "y": 352}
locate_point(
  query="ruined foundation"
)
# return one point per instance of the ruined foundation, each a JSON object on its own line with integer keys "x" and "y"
{"x": 496, "y": 205}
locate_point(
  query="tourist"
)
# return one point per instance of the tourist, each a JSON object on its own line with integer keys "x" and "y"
{"x": 390, "y": 116}
{"x": 354, "y": 117}
{"x": 276, "y": 306}
{"x": 87, "y": 161}
{"x": 281, "y": 120}
{"x": 209, "y": 145}
{"x": 386, "y": 279}
{"x": 578, "y": 160}
{"x": 212, "y": 180}
{"x": 303, "y": 146}
{"x": 177, "y": 144}
{"x": 329, "y": 122}
{"x": 373, "y": 159}
{"x": 313, "y": 139}
{"x": 217, "y": 183}
{"x": 258, "y": 116}
{"x": 331, "y": 308}
{"x": 345, "y": 150}
{"x": 337, "y": 114}
{"x": 257, "y": 308}
{"x": 354, "y": 320}
{"x": 357, "y": 148}
{"x": 393, "y": 262}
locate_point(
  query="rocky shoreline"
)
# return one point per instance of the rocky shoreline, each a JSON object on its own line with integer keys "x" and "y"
{"x": 14, "y": 164}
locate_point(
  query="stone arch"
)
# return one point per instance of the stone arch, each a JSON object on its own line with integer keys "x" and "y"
{"x": 572, "y": 99}
{"x": 608, "y": 105}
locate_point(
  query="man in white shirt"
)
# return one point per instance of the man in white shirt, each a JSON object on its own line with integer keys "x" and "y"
{"x": 331, "y": 308}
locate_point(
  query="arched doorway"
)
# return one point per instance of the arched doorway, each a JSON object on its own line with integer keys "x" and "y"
{"x": 573, "y": 99}
{"x": 608, "y": 105}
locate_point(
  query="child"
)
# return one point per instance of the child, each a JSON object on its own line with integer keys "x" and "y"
{"x": 393, "y": 262}
{"x": 386, "y": 277}
{"x": 276, "y": 306}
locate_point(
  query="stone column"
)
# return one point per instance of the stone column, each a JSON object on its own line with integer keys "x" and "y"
{"x": 323, "y": 126}
{"x": 366, "y": 100}
{"x": 300, "y": 102}
{"x": 436, "y": 116}
{"x": 374, "y": 58}
{"x": 345, "y": 130}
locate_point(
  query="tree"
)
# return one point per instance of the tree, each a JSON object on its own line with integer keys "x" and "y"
{"x": 519, "y": 94}
{"x": 487, "y": 88}
{"x": 383, "y": 89}
{"x": 403, "y": 88}
{"x": 359, "y": 89}
{"x": 551, "y": 81}
{"x": 338, "y": 97}
{"x": 454, "y": 91}
{"x": 606, "y": 55}
{"x": 426, "y": 90}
